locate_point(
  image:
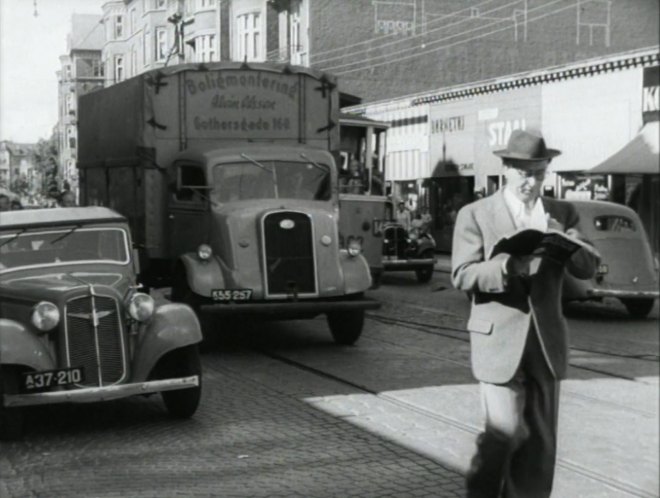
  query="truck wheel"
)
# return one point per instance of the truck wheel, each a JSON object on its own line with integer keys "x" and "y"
{"x": 346, "y": 326}
{"x": 11, "y": 419}
{"x": 183, "y": 362}
{"x": 638, "y": 308}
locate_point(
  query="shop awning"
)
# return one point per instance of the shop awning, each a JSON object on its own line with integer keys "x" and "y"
{"x": 639, "y": 156}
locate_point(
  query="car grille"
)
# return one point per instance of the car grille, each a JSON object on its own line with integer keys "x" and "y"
{"x": 99, "y": 350}
{"x": 289, "y": 254}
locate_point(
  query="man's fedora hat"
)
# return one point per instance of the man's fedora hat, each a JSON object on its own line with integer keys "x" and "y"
{"x": 526, "y": 146}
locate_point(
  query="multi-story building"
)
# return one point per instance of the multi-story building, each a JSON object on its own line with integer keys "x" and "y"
{"x": 81, "y": 72}
{"x": 17, "y": 170}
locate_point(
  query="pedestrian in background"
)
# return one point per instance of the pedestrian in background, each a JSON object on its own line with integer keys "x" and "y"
{"x": 403, "y": 215}
{"x": 68, "y": 199}
{"x": 518, "y": 336}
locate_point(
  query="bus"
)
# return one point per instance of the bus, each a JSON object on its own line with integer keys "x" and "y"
{"x": 362, "y": 189}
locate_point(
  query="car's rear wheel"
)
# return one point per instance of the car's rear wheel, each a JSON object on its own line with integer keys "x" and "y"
{"x": 11, "y": 419}
{"x": 346, "y": 326}
{"x": 638, "y": 308}
{"x": 183, "y": 362}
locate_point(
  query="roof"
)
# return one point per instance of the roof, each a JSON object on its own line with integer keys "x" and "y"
{"x": 640, "y": 155}
{"x": 58, "y": 216}
{"x": 592, "y": 208}
{"x": 356, "y": 120}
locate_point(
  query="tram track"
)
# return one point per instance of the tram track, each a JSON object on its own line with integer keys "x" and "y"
{"x": 628, "y": 488}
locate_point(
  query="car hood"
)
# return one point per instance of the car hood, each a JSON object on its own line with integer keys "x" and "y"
{"x": 56, "y": 284}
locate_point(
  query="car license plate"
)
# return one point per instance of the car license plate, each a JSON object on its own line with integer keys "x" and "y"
{"x": 33, "y": 381}
{"x": 231, "y": 294}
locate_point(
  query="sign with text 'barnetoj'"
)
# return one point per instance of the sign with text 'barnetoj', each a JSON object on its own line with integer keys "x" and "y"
{"x": 243, "y": 104}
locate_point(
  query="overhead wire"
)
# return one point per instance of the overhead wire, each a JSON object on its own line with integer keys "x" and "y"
{"x": 391, "y": 35}
{"x": 336, "y": 69}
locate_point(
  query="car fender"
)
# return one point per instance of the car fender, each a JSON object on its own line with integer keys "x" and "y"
{"x": 575, "y": 289}
{"x": 202, "y": 276}
{"x": 357, "y": 277}
{"x": 172, "y": 326}
{"x": 19, "y": 346}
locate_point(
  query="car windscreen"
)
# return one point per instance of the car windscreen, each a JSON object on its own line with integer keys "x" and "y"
{"x": 270, "y": 180}
{"x": 62, "y": 246}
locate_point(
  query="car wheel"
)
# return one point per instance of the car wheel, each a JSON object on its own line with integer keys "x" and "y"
{"x": 638, "y": 308}
{"x": 346, "y": 326}
{"x": 424, "y": 275}
{"x": 183, "y": 362}
{"x": 182, "y": 293}
{"x": 11, "y": 419}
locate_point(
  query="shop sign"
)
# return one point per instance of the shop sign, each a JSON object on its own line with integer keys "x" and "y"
{"x": 651, "y": 94}
{"x": 451, "y": 144}
{"x": 500, "y": 131}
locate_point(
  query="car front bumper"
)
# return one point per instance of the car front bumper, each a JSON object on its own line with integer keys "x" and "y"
{"x": 625, "y": 294}
{"x": 289, "y": 308}
{"x": 106, "y": 393}
{"x": 407, "y": 264}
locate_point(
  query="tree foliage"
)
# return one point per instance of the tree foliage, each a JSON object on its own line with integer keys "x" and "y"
{"x": 45, "y": 159}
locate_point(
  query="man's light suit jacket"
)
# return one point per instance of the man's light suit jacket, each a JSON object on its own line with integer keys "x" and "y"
{"x": 504, "y": 308}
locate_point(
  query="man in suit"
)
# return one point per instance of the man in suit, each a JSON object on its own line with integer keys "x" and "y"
{"x": 518, "y": 336}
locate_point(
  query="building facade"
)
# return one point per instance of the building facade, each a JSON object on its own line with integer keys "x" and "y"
{"x": 440, "y": 144}
{"x": 17, "y": 170}
{"x": 81, "y": 72}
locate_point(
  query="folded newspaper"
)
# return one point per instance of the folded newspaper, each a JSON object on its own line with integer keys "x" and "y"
{"x": 552, "y": 244}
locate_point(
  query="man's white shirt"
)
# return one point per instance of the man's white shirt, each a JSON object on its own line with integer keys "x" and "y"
{"x": 523, "y": 217}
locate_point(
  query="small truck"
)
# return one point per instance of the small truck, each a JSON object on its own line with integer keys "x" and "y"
{"x": 227, "y": 174}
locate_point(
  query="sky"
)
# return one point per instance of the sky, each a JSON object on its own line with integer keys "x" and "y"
{"x": 30, "y": 48}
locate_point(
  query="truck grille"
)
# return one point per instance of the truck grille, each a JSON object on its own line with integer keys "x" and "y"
{"x": 99, "y": 350}
{"x": 289, "y": 254}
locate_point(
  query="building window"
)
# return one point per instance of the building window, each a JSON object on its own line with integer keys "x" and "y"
{"x": 119, "y": 26}
{"x": 67, "y": 71}
{"x": 161, "y": 44}
{"x": 133, "y": 20}
{"x": 205, "y": 4}
{"x": 119, "y": 68}
{"x": 97, "y": 68}
{"x": 249, "y": 37}
{"x": 161, "y": 4}
{"x": 69, "y": 103}
{"x": 205, "y": 48}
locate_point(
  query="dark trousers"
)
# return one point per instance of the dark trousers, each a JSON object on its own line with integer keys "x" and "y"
{"x": 516, "y": 453}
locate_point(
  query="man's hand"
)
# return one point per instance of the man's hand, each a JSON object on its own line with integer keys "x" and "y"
{"x": 521, "y": 266}
{"x": 553, "y": 224}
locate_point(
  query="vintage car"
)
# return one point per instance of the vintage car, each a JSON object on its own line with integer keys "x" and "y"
{"x": 408, "y": 250}
{"x": 74, "y": 327}
{"x": 628, "y": 271}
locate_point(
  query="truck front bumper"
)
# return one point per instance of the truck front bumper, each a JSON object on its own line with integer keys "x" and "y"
{"x": 642, "y": 294}
{"x": 285, "y": 309}
{"x": 93, "y": 394}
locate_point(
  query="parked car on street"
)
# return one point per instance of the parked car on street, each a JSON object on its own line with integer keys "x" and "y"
{"x": 408, "y": 250}
{"x": 74, "y": 327}
{"x": 628, "y": 270}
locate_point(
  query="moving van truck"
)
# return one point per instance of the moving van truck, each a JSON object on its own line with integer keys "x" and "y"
{"x": 226, "y": 173}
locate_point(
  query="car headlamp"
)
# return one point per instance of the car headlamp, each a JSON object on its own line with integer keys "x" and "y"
{"x": 354, "y": 247}
{"x": 204, "y": 252}
{"x": 412, "y": 236}
{"x": 141, "y": 306}
{"x": 45, "y": 316}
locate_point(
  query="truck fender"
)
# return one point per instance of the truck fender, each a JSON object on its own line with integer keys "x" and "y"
{"x": 357, "y": 277}
{"x": 202, "y": 276}
{"x": 172, "y": 326}
{"x": 19, "y": 346}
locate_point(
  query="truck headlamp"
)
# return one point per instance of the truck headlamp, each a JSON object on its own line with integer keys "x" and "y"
{"x": 141, "y": 306}
{"x": 204, "y": 252}
{"x": 45, "y": 316}
{"x": 354, "y": 247}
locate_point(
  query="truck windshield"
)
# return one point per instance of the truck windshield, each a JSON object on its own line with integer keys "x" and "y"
{"x": 62, "y": 246}
{"x": 270, "y": 180}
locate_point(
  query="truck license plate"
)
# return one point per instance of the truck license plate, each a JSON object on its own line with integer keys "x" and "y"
{"x": 231, "y": 294}
{"x": 52, "y": 378}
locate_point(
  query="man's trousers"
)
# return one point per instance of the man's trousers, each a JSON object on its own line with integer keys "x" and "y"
{"x": 516, "y": 452}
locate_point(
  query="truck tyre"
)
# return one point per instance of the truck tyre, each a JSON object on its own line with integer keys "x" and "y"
{"x": 346, "y": 326}
{"x": 424, "y": 275}
{"x": 183, "y": 362}
{"x": 11, "y": 419}
{"x": 638, "y": 308}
